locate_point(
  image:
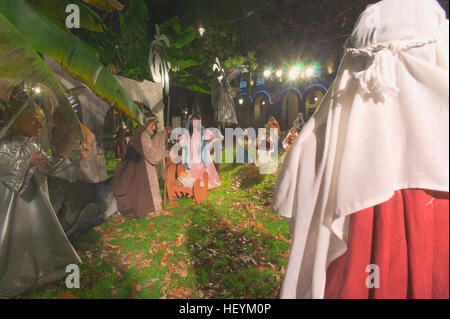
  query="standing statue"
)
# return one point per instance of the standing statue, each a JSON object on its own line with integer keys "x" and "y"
{"x": 33, "y": 246}
{"x": 135, "y": 182}
{"x": 365, "y": 186}
{"x": 226, "y": 111}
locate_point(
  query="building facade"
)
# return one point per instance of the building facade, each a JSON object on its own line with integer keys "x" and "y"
{"x": 282, "y": 99}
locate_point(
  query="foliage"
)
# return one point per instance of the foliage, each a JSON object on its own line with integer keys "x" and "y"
{"x": 19, "y": 62}
{"x": 234, "y": 36}
{"x": 188, "y": 81}
{"x": 56, "y": 9}
{"x": 237, "y": 60}
{"x": 108, "y": 5}
{"x": 127, "y": 51}
{"x": 180, "y": 36}
{"x": 133, "y": 41}
{"x": 278, "y": 32}
{"x": 70, "y": 52}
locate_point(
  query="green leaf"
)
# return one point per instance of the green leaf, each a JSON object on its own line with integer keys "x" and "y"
{"x": 56, "y": 9}
{"x": 179, "y": 36}
{"x": 184, "y": 37}
{"x": 19, "y": 62}
{"x": 185, "y": 80}
{"x": 172, "y": 25}
{"x": 179, "y": 59}
{"x": 108, "y": 5}
{"x": 134, "y": 27}
{"x": 104, "y": 43}
{"x": 69, "y": 51}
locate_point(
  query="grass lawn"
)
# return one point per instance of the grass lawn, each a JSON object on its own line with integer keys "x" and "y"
{"x": 231, "y": 246}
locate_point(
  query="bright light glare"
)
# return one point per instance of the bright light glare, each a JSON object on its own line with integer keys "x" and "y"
{"x": 267, "y": 73}
{"x": 201, "y": 31}
{"x": 279, "y": 73}
{"x": 263, "y": 102}
{"x": 37, "y": 90}
{"x": 309, "y": 72}
{"x": 241, "y": 101}
{"x": 294, "y": 72}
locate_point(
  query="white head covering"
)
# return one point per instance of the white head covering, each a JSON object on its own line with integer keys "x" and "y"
{"x": 382, "y": 126}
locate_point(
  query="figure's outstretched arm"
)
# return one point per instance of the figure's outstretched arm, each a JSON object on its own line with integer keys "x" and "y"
{"x": 154, "y": 148}
{"x": 65, "y": 168}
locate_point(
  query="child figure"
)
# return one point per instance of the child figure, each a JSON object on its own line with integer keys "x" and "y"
{"x": 299, "y": 122}
{"x": 266, "y": 162}
{"x": 290, "y": 138}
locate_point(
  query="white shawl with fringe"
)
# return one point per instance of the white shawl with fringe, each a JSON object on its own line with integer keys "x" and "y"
{"x": 382, "y": 126}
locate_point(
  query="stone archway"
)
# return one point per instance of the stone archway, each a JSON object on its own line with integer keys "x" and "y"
{"x": 283, "y": 117}
{"x": 257, "y": 110}
{"x": 290, "y": 106}
{"x": 243, "y": 111}
{"x": 292, "y": 102}
{"x": 260, "y": 106}
{"x": 313, "y": 96}
{"x": 312, "y": 101}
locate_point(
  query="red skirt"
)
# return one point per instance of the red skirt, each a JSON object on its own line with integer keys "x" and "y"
{"x": 407, "y": 239}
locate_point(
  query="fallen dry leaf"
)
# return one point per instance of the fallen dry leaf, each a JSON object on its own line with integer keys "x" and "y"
{"x": 174, "y": 204}
{"x": 67, "y": 295}
{"x": 257, "y": 227}
{"x": 119, "y": 276}
{"x": 165, "y": 258}
{"x": 149, "y": 284}
{"x": 133, "y": 290}
{"x": 179, "y": 292}
{"x": 111, "y": 247}
{"x": 150, "y": 226}
{"x": 180, "y": 240}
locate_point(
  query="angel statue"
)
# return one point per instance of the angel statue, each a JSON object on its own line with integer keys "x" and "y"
{"x": 225, "y": 105}
{"x": 33, "y": 246}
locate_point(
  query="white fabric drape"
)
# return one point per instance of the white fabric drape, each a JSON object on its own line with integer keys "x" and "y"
{"x": 382, "y": 126}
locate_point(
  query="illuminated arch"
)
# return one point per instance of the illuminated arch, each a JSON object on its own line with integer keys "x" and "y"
{"x": 291, "y": 88}
{"x": 261, "y": 91}
{"x": 242, "y": 95}
{"x": 323, "y": 87}
{"x": 308, "y": 106}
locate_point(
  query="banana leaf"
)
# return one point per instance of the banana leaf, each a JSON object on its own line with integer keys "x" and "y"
{"x": 56, "y": 9}
{"x": 108, "y": 5}
{"x": 179, "y": 59}
{"x": 184, "y": 37}
{"x": 19, "y": 62}
{"x": 134, "y": 24}
{"x": 47, "y": 37}
{"x": 178, "y": 36}
{"x": 188, "y": 81}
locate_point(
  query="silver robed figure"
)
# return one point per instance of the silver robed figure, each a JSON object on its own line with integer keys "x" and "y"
{"x": 33, "y": 246}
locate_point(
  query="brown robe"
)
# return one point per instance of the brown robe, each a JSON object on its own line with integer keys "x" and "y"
{"x": 135, "y": 182}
